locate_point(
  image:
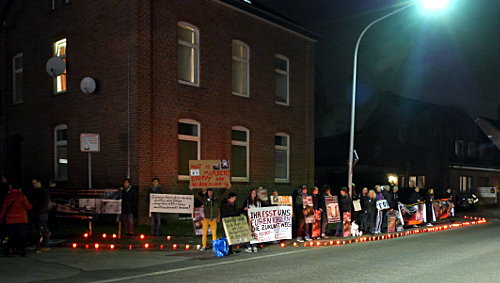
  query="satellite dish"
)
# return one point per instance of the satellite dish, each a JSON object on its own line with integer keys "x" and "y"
{"x": 88, "y": 85}
{"x": 55, "y": 66}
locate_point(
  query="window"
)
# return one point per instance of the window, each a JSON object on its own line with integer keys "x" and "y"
{"x": 459, "y": 148}
{"x": 17, "y": 78}
{"x": 281, "y": 157}
{"x": 240, "y": 154}
{"x": 61, "y": 152}
{"x": 188, "y": 52}
{"x": 471, "y": 149}
{"x": 281, "y": 76}
{"x": 56, "y": 4}
{"x": 465, "y": 183}
{"x": 60, "y": 81}
{"x": 240, "y": 76}
{"x": 421, "y": 181}
{"x": 189, "y": 145}
{"x": 413, "y": 181}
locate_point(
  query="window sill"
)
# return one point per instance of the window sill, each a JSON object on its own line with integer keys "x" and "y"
{"x": 17, "y": 102}
{"x": 188, "y": 83}
{"x": 282, "y": 181}
{"x": 281, "y": 103}
{"x": 240, "y": 180}
{"x": 183, "y": 178}
{"x": 241, "y": 95}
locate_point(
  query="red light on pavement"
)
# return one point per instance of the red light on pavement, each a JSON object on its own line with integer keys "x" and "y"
{"x": 318, "y": 243}
{"x": 282, "y": 245}
{"x": 104, "y": 235}
{"x": 86, "y": 246}
{"x": 174, "y": 246}
{"x": 161, "y": 247}
{"x": 112, "y": 246}
{"x": 294, "y": 244}
{"x": 130, "y": 247}
{"x": 311, "y": 244}
{"x": 86, "y": 235}
{"x": 142, "y": 236}
{"x": 305, "y": 244}
{"x": 96, "y": 246}
{"x": 114, "y": 236}
{"x": 75, "y": 245}
{"x": 187, "y": 247}
{"x": 338, "y": 243}
{"x": 146, "y": 245}
{"x": 168, "y": 238}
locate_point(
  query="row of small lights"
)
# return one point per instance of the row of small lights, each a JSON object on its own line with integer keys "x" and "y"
{"x": 475, "y": 221}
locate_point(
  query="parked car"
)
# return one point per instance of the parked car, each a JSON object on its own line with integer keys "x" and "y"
{"x": 466, "y": 201}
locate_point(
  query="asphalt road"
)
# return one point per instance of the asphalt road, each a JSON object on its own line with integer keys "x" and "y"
{"x": 466, "y": 254}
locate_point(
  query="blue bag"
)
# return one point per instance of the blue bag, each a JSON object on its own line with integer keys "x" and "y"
{"x": 220, "y": 247}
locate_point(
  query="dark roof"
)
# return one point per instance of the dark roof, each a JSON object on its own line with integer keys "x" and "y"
{"x": 272, "y": 16}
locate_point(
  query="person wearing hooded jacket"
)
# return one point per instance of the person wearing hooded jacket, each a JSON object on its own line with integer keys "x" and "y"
{"x": 14, "y": 214}
{"x": 211, "y": 211}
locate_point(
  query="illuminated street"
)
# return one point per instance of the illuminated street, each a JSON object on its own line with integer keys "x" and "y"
{"x": 462, "y": 254}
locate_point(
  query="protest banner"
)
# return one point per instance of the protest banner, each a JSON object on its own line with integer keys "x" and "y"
{"x": 347, "y": 224}
{"x": 281, "y": 200}
{"x": 79, "y": 202}
{"x": 237, "y": 230}
{"x": 413, "y": 214}
{"x": 391, "y": 222}
{"x": 316, "y": 227}
{"x": 442, "y": 209}
{"x": 271, "y": 223}
{"x": 198, "y": 221}
{"x": 209, "y": 174}
{"x": 332, "y": 209}
{"x": 307, "y": 204}
{"x": 166, "y": 203}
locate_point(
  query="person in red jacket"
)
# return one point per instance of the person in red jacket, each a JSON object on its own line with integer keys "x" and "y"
{"x": 14, "y": 215}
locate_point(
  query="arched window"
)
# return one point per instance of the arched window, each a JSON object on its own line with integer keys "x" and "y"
{"x": 188, "y": 54}
{"x": 240, "y": 154}
{"x": 188, "y": 135}
{"x": 281, "y": 157}
{"x": 241, "y": 68}
{"x": 61, "y": 152}
{"x": 282, "y": 79}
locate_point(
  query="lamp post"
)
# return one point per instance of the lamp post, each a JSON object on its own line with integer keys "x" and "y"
{"x": 427, "y": 5}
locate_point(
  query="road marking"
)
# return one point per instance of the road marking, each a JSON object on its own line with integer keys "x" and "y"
{"x": 199, "y": 266}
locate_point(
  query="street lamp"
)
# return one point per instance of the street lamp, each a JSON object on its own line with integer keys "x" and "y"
{"x": 428, "y": 5}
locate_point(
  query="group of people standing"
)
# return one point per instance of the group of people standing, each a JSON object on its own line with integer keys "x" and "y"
{"x": 24, "y": 217}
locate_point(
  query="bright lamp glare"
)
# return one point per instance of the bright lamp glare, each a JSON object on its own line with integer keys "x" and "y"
{"x": 434, "y": 4}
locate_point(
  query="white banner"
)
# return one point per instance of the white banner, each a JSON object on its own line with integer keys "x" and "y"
{"x": 270, "y": 223}
{"x": 165, "y": 203}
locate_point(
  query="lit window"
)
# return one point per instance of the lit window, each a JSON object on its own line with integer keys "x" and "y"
{"x": 61, "y": 152}
{"x": 240, "y": 154}
{"x": 281, "y": 157}
{"x": 281, "y": 74}
{"x": 60, "y": 81}
{"x": 189, "y": 145}
{"x": 465, "y": 183}
{"x": 188, "y": 53}
{"x": 17, "y": 78}
{"x": 56, "y": 4}
{"x": 240, "y": 76}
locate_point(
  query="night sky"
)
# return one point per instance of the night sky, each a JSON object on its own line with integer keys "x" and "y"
{"x": 450, "y": 58}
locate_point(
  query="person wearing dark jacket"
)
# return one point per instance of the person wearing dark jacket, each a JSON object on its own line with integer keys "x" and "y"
{"x": 14, "y": 215}
{"x": 344, "y": 206}
{"x": 429, "y": 199}
{"x": 363, "y": 214}
{"x": 394, "y": 198}
{"x": 302, "y": 227}
{"x": 155, "y": 188}
{"x": 40, "y": 211}
{"x": 129, "y": 206}
{"x": 371, "y": 209}
{"x": 324, "y": 214}
{"x": 211, "y": 209}
{"x": 415, "y": 196}
{"x": 228, "y": 208}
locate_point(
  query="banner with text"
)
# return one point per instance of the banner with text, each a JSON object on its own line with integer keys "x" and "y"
{"x": 270, "y": 223}
{"x": 281, "y": 200}
{"x": 166, "y": 203}
{"x": 209, "y": 174}
{"x": 237, "y": 230}
{"x": 332, "y": 209}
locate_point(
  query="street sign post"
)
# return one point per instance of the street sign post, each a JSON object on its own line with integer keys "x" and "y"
{"x": 90, "y": 143}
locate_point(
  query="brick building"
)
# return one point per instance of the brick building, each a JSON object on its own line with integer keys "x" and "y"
{"x": 176, "y": 80}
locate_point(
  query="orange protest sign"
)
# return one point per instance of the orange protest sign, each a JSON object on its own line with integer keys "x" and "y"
{"x": 209, "y": 174}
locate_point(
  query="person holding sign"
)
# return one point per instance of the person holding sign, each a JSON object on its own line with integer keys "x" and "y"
{"x": 228, "y": 208}
{"x": 302, "y": 227}
{"x": 211, "y": 209}
{"x": 345, "y": 206}
{"x": 251, "y": 202}
{"x": 155, "y": 188}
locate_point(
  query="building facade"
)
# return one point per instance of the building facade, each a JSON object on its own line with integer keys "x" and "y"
{"x": 176, "y": 80}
